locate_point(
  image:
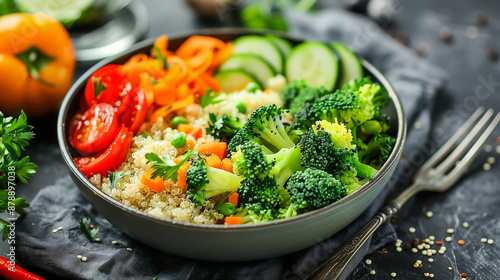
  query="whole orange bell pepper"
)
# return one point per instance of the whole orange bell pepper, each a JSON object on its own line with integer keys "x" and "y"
{"x": 37, "y": 63}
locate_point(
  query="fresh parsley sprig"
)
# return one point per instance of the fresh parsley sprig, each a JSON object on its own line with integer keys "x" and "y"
{"x": 15, "y": 134}
{"x": 209, "y": 98}
{"x": 114, "y": 178}
{"x": 165, "y": 167}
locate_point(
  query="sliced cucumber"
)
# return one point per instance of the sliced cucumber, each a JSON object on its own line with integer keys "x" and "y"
{"x": 233, "y": 80}
{"x": 252, "y": 64}
{"x": 350, "y": 64}
{"x": 260, "y": 46}
{"x": 284, "y": 45}
{"x": 314, "y": 62}
{"x": 65, "y": 11}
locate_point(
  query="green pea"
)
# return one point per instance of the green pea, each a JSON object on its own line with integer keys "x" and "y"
{"x": 179, "y": 140}
{"x": 227, "y": 209}
{"x": 242, "y": 108}
{"x": 252, "y": 87}
{"x": 178, "y": 120}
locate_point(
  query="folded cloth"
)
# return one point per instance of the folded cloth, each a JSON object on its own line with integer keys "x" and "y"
{"x": 61, "y": 205}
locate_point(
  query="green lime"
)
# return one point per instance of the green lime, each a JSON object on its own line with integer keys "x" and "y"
{"x": 65, "y": 11}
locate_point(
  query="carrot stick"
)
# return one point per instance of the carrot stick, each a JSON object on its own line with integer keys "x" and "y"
{"x": 156, "y": 185}
{"x": 233, "y": 198}
{"x": 232, "y": 220}
{"x": 214, "y": 161}
{"x": 181, "y": 174}
{"x": 227, "y": 165}
{"x": 194, "y": 43}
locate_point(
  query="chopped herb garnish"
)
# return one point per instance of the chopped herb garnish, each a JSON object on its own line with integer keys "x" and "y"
{"x": 98, "y": 86}
{"x": 166, "y": 167}
{"x": 86, "y": 227}
{"x": 114, "y": 178}
{"x": 209, "y": 98}
{"x": 143, "y": 134}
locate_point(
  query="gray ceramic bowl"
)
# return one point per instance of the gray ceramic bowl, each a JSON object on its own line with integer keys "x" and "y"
{"x": 218, "y": 242}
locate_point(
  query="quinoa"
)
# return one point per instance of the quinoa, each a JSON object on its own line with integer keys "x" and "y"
{"x": 171, "y": 202}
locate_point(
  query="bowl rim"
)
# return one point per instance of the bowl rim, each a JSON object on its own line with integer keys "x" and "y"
{"x": 81, "y": 81}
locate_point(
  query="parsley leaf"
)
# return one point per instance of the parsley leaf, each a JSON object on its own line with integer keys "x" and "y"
{"x": 86, "y": 228}
{"x": 209, "y": 98}
{"x": 114, "y": 178}
{"x": 4, "y": 226}
{"x": 98, "y": 86}
{"x": 166, "y": 167}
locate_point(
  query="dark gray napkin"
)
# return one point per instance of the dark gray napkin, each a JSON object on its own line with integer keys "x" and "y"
{"x": 61, "y": 205}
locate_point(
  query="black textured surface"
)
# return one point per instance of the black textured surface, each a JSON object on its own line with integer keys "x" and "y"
{"x": 473, "y": 80}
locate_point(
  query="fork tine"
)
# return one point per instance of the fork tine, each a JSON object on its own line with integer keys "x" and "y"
{"x": 467, "y": 160}
{"x": 445, "y": 149}
{"x": 462, "y": 148}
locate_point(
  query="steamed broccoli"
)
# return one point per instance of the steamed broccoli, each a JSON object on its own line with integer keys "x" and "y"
{"x": 358, "y": 102}
{"x": 262, "y": 196}
{"x": 291, "y": 91}
{"x": 204, "y": 182}
{"x": 377, "y": 150}
{"x": 314, "y": 188}
{"x": 265, "y": 127}
{"x": 328, "y": 146}
{"x": 306, "y": 95}
{"x": 223, "y": 127}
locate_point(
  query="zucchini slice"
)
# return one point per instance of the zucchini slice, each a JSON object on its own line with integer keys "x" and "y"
{"x": 315, "y": 63}
{"x": 260, "y": 46}
{"x": 252, "y": 64}
{"x": 350, "y": 64}
{"x": 284, "y": 45}
{"x": 233, "y": 80}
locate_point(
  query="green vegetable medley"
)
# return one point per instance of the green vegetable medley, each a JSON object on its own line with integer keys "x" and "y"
{"x": 335, "y": 143}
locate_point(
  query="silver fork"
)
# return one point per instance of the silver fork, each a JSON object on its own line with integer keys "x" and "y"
{"x": 437, "y": 174}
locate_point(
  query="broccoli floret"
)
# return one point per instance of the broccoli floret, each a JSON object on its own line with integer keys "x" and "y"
{"x": 314, "y": 188}
{"x": 251, "y": 162}
{"x": 262, "y": 195}
{"x": 250, "y": 216}
{"x": 306, "y": 95}
{"x": 358, "y": 102}
{"x": 266, "y": 124}
{"x": 223, "y": 127}
{"x": 204, "y": 182}
{"x": 377, "y": 150}
{"x": 265, "y": 127}
{"x": 328, "y": 146}
{"x": 291, "y": 91}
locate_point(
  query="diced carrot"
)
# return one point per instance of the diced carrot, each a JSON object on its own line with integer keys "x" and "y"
{"x": 197, "y": 131}
{"x": 233, "y": 198}
{"x": 232, "y": 220}
{"x": 215, "y": 148}
{"x": 156, "y": 185}
{"x": 227, "y": 165}
{"x": 181, "y": 175}
{"x": 185, "y": 127}
{"x": 164, "y": 94}
{"x": 177, "y": 159}
{"x": 214, "y": 161}
{"x": 267, "y": 91}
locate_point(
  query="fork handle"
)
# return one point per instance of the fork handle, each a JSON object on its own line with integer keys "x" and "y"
{"x": 336, "y": 263}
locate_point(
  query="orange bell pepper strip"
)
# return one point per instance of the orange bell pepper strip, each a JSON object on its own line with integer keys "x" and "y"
{"x": 37, "y": 63}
